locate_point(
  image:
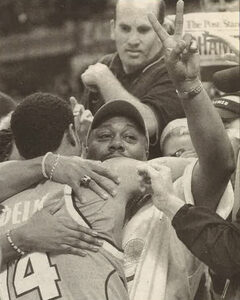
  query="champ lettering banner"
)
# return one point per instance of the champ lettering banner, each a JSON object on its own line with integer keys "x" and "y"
{"x": 200, "y": 25}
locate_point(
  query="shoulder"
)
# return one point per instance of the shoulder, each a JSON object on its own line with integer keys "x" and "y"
{"x": 157, "y": 69}
{"x": 126, "y": 168}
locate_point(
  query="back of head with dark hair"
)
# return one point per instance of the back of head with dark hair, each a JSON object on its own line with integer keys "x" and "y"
{"x": 7, "y": 104}
{"x": 6, "y": 142}
{"x": 38, "y": 124}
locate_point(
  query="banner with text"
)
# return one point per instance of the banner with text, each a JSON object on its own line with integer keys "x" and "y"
{"x": 202, "y": 25}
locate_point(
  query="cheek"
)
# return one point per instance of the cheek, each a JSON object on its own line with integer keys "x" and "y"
{"x": 137, "y": 151}
{"x": 96, "y": 150}
{"x": 120, "y": 39}
{"x": 151, "y": 45}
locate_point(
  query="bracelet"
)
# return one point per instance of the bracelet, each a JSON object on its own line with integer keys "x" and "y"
{"x": 54, "y": 167}
{"x": 16, "y": 248}
{"x": 192, "y": 92}
{"x": 43, "y": 165}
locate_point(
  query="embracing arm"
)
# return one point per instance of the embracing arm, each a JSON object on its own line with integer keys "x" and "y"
{"x": 16, "y": 176}
{"x": 177, "y": 165}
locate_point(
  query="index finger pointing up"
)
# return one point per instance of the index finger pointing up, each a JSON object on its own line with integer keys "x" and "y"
{"x": 160, "y": 31}
{"x": 179, "y": 18}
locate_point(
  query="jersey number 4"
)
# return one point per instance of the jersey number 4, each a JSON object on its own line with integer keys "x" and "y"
{"x": 35, "y": 272}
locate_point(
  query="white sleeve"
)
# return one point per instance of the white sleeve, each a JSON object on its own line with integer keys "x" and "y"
{"x": 183, "y": 190}
{"x": 226, "y": 203}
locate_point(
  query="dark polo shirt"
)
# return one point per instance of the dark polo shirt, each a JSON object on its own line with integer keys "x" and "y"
{"x": 214, "y": 241}
{"x": 151, "y": 85}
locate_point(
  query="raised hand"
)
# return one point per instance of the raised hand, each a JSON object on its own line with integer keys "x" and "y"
{"x": 82, "y": 119}
{"x": 181, "y": 54}
{"x": 95, "y": 76}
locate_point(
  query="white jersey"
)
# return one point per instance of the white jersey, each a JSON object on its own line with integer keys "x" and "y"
{"x": 157, "y": 264}
{"x": 43, "y": 276}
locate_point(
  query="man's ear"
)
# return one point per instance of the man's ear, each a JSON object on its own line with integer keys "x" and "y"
{"x": 112, "y": 28}
{"x": 147, "y": 149}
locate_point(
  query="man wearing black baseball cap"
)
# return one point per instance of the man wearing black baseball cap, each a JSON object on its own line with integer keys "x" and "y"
{"x": 228, "y": 106}
{"x": 118, "y": 129}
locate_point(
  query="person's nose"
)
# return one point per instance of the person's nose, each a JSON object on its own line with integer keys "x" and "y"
{"x": 133, "y": 39}
{"x": 116, "y": 145}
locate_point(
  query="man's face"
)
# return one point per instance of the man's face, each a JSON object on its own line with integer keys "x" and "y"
{"x": 136, "y": 41}
{"x": 179, "y": 146}
{"x": 116, "y": 137}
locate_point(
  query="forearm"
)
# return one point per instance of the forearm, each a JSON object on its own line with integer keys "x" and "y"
{"x": 172, "y": 206}
{"x": 177, "y": 165}
{"x": 213, "y": 240}
{"x": 112, "y": 89}
{"x": 7, "y": 251}
{"x": 16, "y": 176}
{"x": 208, "y": 134}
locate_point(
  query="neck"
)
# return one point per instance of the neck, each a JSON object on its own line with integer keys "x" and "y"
{"x": 67, "y": 150}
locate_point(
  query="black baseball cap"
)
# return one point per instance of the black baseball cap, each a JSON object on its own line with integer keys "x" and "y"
{"x": 116, "y": 108}
{"x": 228, "y": 105}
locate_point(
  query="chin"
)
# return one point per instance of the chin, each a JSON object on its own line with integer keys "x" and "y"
{"x": 133, "y": 65}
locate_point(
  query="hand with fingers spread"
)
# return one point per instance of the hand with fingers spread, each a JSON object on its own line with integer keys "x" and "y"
{"x": 181, "y": 55}
{"x": 72, "y": 169}
{"x": 50, "y": 231}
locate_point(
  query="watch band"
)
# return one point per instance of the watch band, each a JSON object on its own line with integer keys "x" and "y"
{"x": 191, "y": 93}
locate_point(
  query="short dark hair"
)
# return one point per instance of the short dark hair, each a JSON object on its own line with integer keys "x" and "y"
{"x": 160, "y": 15}
{"x": 6, "y": 144}
{"x": 7, "y": 104}
{"x": 38, "y": 124}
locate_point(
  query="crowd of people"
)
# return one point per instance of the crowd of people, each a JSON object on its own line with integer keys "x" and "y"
{"x": 132, "y": 192}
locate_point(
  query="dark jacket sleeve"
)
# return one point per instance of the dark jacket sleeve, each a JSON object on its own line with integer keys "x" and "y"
{"x": 213, "y": 240}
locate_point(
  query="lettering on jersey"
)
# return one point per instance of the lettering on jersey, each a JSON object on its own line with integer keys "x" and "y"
{"x": 35, "y": 272}
{"x": 21, "y": 211}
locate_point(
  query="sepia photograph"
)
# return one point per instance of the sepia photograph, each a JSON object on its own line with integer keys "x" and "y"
{"x": 119, "y": 150}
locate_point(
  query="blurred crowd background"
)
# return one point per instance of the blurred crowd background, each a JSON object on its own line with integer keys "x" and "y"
{"x": 46, "y": 45}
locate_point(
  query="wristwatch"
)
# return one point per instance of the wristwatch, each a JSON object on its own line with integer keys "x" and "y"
{"x": 186, "y": 95}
